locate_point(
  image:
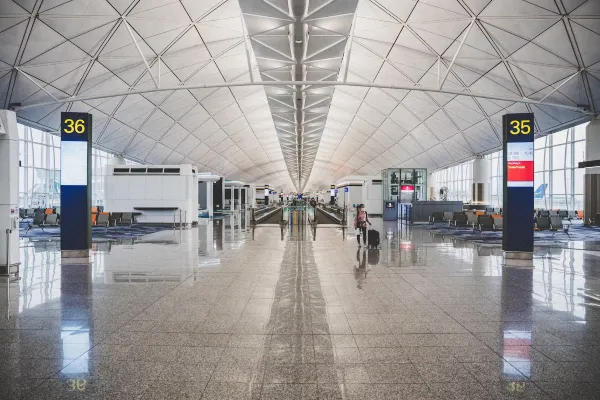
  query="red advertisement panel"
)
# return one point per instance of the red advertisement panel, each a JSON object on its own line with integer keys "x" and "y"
{"x": 520, "y": 171}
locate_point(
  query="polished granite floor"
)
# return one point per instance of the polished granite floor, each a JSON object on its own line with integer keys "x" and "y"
{"x": 223, "y": 311}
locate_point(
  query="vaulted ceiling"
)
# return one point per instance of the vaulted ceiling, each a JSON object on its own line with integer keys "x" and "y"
{"x": 159, "y": 75}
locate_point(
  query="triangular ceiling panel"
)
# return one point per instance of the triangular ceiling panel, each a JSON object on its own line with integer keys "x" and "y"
{"x": 514, "y": 49}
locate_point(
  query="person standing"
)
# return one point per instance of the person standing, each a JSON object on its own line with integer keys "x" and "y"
{"x": 360, "y": 224}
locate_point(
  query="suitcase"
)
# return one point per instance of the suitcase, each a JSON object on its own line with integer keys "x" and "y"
{"x": 373, "y": 239}
{"x": 373, "y": 256}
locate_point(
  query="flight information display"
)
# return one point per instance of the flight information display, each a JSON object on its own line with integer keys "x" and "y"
{"x": 519, "y": 168}
{"x": 73, "y": 163}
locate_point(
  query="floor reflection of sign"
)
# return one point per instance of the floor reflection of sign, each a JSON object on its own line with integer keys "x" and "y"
{"x": 519, "y": 164}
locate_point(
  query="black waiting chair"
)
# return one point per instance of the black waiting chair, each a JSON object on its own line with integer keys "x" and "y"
{"x": 557, "y": 225}
{"x": 115, "y": 218}
{"x": 38, "y": 220}
{"x": 51, "y": 220}
{"x": 22, "y": 213}
{"x": 542, "y": 223}
{"x": 436, "y": 216}
{"x": 564, "y": 214}
{"x": 472, "y": 219}
{"x": 498, "y": 223}
{"x": 484, "y": 223}
{"x": 448, "y": 216}
{"x": 30, "y": 213}
{"x": 460, "y": 220}
{"x": 543, "y": 213}
{"x": 103, "y": 219}
{"x": 127, "y": 219}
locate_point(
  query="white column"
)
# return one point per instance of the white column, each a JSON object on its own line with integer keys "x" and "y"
{"x": 239, "y": 190}
{"x": 591, "y": 191}
{"x": 592, "y": 146}
{"x": 9, "y": 188}
{"x": 481, "y": 180}
{"x": 432, "y": 187}
{"x": 209, "y": 199}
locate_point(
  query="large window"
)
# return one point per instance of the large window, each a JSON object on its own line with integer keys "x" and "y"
{"x": 558, "y": 183}
{"x": 39, "y": 172}
{"x": 458, "y": 180}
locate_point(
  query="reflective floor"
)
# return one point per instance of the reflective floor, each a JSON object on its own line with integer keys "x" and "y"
{"x": 223, "y": 311}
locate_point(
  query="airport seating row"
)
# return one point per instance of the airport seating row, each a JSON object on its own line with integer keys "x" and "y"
{"x": 44, "y": 218}
{"x": 108, "y": 219}
{"x": 41, "y": 220}
{"x": 552, "y": 223}
{"x": 482, "y": 222}
{"x": 562, "y": 214}
{"x": 476, "y": 220}
{"x": 31, "y": 212}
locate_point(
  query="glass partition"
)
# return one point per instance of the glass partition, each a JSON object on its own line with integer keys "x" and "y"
{"x": 405, "y": 185}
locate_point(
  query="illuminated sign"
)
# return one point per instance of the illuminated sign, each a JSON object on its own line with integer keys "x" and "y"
{"x": 331, "y": 186}
{"x": 346, "y": 189}
{"x": 75, "y": 180}
{"x": 518, "y": 172}
{"x": 407, "y": 188}
{"x": 390, "y": 204}
{"x": 74, "y": 148}
{"x": 519, "y": 164}
{"x": 73, "y": 163}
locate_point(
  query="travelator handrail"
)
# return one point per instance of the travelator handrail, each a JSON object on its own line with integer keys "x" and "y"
{"x": 260, "y": 214}
{"x": 334, "y": 212}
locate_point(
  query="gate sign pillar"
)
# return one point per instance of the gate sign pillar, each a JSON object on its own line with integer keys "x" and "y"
{"x": 266, "y": 195}
{"x": 517, "y": 210}
{"x": 75, "y": 185}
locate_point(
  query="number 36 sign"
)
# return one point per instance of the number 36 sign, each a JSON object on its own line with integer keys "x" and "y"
{"x": 75, "y": 126}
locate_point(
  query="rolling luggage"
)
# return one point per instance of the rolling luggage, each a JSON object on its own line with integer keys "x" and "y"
{"x": 373, "y": 239}
{"x": 373, "y": 256}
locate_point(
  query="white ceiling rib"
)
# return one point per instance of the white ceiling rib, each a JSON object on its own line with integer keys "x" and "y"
{"x": 504, "y": 48}
{"x": 303, "y": 40}
{"x": 84, "y": 48}
{"x": 107, "y": 57}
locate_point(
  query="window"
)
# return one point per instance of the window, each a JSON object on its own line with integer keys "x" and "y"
{"x": 39, "y": 174}
{"x": 457, "y": 179}
{"x": 558, "y": 183}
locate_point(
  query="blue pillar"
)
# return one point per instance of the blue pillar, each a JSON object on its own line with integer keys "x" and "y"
{"x": 76, "y": 185}
{"x": 517, "y": 210}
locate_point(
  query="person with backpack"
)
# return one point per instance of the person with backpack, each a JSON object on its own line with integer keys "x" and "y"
{"x": 360, "y": 224}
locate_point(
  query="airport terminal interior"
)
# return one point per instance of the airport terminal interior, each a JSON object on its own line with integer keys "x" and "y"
{"x": 300, "y": 199}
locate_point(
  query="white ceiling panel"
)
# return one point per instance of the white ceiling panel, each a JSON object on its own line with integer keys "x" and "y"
{"x": 98, "y": 56}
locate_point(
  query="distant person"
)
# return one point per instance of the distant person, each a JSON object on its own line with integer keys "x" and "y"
{"x": 313, "y": 203}
{"x": 360, "y": 224}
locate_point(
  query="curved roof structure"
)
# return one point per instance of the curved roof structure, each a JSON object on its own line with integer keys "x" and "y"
{"x": 299, "y": 93}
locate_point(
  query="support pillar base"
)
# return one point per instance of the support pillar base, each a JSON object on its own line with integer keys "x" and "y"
{"x": 522, "y": 259}
{"x": 75, "y": 256}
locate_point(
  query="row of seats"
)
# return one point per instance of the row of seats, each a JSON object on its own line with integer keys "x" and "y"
{"x": 477, "y": 220}
{"x": 563, "y": 214}
{"x": 552, "y": 223}
{"x": 482, "y": 222}
{"x": 31, "y": 212}
{"x": 41, "y": 220}
{"x": 108, "y": 219}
